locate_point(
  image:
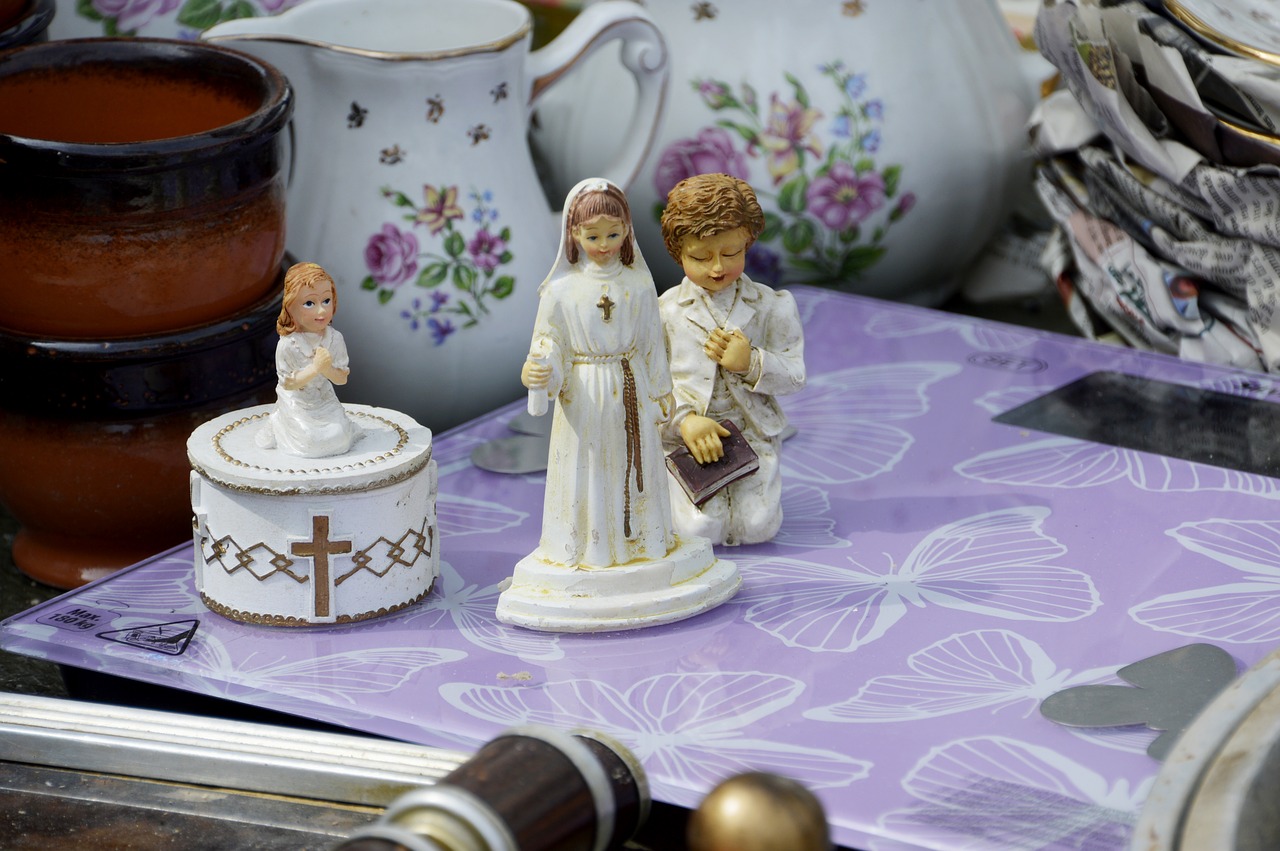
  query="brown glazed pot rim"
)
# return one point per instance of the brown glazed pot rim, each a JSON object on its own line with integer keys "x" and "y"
{"x": 152, "y": 155}
{"x": 31, "y": 22}
{"x": 137, "y": 376}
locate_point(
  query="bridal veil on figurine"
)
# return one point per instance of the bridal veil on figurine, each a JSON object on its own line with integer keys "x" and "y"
{"x": 309, "y": 511}
{"x": 608, "y": 558}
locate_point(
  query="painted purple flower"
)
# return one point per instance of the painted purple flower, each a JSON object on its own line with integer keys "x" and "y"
{"x": 788, "y": 133}
{"x": 440, "y": 329}
{"x": 844, "y": 198}
{"x": 486, "y": 250}
{"x": 855, "y": 85}
{"x": 763, "y": 265}
{"x": 870, "y": 141}
{"x": 905, "y": 203}
{"x": 710, "y": 152}
{"x": 132, "y": 15}
{"x": 411, "y": 315}
{"x": 438, "y": 300}
{"x": 840, "y": 127}
{"x": 272, "y": 7}
{"x": 392, "y": 256}
{"x": 713, "y": 93}
{"x": 873, "y": 109}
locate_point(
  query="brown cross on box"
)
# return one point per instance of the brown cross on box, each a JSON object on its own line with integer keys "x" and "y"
{"x": 319, "y": 549}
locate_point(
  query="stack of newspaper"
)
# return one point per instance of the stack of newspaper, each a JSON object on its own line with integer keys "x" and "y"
{"x": 1160, "y": 164}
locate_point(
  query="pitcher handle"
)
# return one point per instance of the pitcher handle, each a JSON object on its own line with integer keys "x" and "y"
{"x": 644, "y": 53}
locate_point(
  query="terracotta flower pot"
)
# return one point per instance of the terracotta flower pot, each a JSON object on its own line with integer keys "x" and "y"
{"x": 141, "y": 186}
{"x": 93, "y": 437}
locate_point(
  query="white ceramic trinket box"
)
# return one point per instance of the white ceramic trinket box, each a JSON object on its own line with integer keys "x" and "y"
{"x": 288, "y": 541}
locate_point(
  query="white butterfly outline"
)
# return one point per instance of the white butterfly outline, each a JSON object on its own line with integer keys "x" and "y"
{"x": 846, "y": 420}
{"x": 993, "y": 669}
{"x": 990, "y": 792}
{"x": 992, "y": 564}
{"x": 292, "y": 685}
{"x": 1243, "y": 612}
{"x": 473, "y": 610}
{"x": 987, "y": 337}
{"x": 689, "y": 730}
{"x": 807, "y": 520}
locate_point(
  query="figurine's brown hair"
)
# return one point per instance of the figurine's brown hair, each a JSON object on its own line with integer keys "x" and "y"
{"x": 707, "y": 204}
{"x": 594, "y": 203}
{"x": 298, "y": 276}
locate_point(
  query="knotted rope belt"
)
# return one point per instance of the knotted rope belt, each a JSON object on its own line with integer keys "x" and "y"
{"x": 631, "y": 424}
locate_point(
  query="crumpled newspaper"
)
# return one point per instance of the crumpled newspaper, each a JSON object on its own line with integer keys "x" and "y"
{"x": 1158, "y": 170}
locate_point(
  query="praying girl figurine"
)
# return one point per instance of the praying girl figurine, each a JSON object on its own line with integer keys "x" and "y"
{"x": 608, "y": 557}
{"x": 311, "y": 357}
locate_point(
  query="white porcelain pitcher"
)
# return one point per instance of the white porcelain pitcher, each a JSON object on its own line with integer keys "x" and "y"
{"x": 414, "y": 186}
{"x": 884, "y": 138}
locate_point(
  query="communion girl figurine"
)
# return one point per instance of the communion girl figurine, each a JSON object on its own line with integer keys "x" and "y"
{"x": 608, "y": 557}
{"x": 311, "y": 357}
{"x": 597, "y": 349}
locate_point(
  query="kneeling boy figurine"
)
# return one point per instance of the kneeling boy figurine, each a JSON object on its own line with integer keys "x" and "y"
{"x": 733, "y": 346}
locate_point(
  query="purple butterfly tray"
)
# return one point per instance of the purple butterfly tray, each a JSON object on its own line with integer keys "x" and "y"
{"x": 936, "y": 576}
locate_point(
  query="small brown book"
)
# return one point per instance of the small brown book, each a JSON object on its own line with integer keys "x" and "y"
{"x": 703, "y": 481}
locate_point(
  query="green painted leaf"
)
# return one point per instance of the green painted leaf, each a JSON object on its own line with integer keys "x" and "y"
{"x": 384, "y": 296}
{"x": 791, "y": 197}
{"x": 464, "y": 277}
{"x": 505, "y": 234}
{"x": 200, "y": 14}
{"x": 892, "y": 175}
{"x": 503, "y": 287}
{"x": 799, "y": 235}
{"x": 861, "y": 259}
{"x": 433, "y": 275}
{"x": 850, "y": 235}
{"x": 401, "y": 199}
{"x": 454, "y": 245}
{"x": 239, "y": 9}
{"x": 772, "y": 227}
{"x": 84, "y": 8}
{"x": 368, "y": 283}
{"x": 864, "y": 165}
{"x": 505, "y": 257}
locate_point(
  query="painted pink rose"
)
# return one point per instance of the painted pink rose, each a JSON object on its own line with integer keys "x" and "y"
{"x": 710, "y": 152}
{"x": 392, "y": 256}
{"x": 133, "y": 15}
{"x": 843, "y": 198}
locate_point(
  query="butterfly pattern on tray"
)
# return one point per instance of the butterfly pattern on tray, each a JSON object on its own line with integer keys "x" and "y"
{"x": 998, "y": 564}
{"x": 996, "y": 792}
{"x": 688, "y": 727}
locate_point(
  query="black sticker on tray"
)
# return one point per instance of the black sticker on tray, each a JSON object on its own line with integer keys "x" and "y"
{"x": 169, "y": 638}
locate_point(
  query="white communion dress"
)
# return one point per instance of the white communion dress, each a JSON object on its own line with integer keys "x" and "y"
{"x": 309, "y": 422}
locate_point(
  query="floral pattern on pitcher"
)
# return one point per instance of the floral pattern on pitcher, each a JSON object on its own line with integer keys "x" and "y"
{"x": 395, "y": 257}
{"x": 130, "y": 17}
{"x": 832, "y": 204}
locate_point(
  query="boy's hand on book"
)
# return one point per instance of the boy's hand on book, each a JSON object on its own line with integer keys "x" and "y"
{"x": 702, "y": 436}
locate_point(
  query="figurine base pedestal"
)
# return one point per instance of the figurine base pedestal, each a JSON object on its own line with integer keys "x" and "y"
{"x": 555, "y": 598}
{"x": 289, "y": 541}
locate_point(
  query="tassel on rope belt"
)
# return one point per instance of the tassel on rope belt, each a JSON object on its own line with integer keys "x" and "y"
{"x": 631, "y": 424}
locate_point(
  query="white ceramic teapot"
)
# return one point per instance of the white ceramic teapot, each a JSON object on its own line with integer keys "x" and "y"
{"x": 414, "y": 186}
{"x": 884, "y": 138}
